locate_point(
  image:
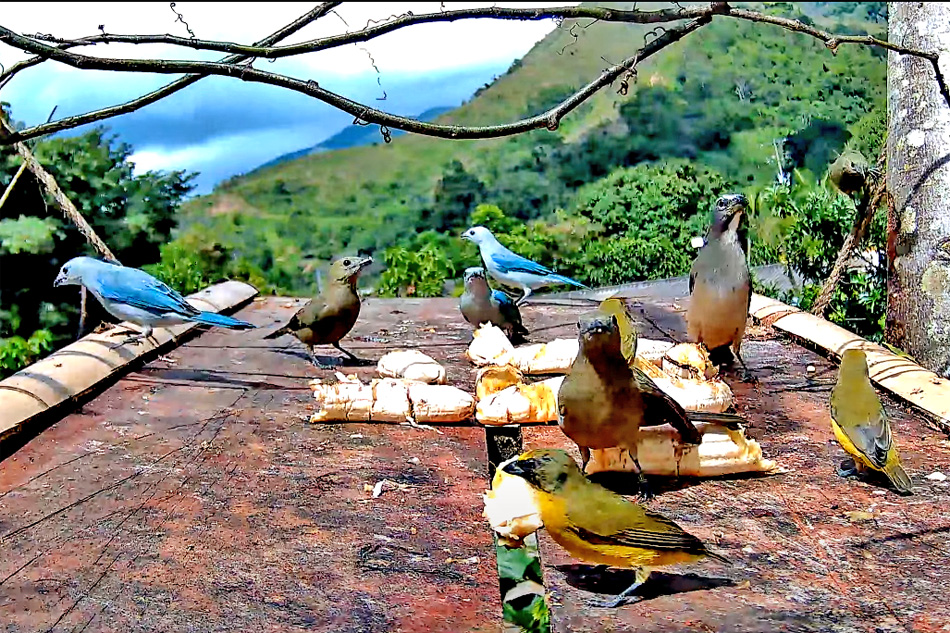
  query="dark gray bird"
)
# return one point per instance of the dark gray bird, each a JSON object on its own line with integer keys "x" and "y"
{"x": 480, "y": 304}
{"x": 720, "y": 286}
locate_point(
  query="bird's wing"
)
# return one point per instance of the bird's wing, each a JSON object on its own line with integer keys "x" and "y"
{"x": 872, "y": 437}
{"x": 512, "y": 263}
{"x": 137, "y": 288}
{"x": 507, "y": 307}
{"x": 657, "y": 532}
{"x": 692, "y": 278}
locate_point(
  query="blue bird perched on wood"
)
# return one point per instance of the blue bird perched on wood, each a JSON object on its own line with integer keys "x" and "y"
{"x": 480, "y": 304}
{"x": 132, "y": 295}
{"x": 511, "y": 269}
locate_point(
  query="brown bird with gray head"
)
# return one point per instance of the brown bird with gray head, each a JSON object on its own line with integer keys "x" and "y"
{"x": 720, "y": 285}
{"x": 332, "y": 314}
{"x": 603, "y": 401}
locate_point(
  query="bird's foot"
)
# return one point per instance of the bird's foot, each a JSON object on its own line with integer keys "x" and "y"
{"x": 646, "y": 491}
{"x": 749, "y": 377}
{"x": 847, "y": 469}
{"x": 130, "y": 340}
{"x": 616, "y": 602}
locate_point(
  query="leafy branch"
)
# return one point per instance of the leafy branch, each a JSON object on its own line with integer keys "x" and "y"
{"x": 47, "y": 47}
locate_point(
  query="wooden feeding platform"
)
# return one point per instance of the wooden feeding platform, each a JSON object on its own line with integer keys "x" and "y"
{"x": 193, "y": 494}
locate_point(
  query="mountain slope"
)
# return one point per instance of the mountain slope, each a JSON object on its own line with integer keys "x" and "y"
{"x": 722, "y": 98}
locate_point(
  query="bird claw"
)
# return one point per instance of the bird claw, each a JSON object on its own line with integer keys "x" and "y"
{"x": 131, "y": 340}
{"x": 615, "y": 602}
{"x": 847, "y": 471}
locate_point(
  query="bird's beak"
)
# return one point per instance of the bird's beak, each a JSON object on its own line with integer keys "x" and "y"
{"x": 519, "y": 468}
{"x": 366, "y": 262}
{"x": 60, "y": 280}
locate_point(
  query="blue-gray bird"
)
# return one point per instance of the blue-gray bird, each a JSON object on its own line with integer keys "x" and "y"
{"x": 480, "y": 304}
{"x": 132, "y": 295}
{"x": 719, "y": 285}
{"x": 511, "y": 269}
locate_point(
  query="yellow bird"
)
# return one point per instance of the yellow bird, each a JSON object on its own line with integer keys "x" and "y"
{"x": 599, "y": 526}
{"x": 628, "y": 332}
{"x": 860, "y": 423}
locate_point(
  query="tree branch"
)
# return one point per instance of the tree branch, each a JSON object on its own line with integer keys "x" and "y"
{"x": 156, "y": 95}
{"x": 229, "y": 66}
{"x": 550, "y": 119}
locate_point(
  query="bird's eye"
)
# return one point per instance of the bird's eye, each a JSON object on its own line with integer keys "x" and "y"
{"x": 346, "y": 262}
{"x": 721, "y": 204}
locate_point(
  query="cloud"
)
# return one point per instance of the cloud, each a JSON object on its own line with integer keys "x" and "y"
{"x": 221, "y": 126}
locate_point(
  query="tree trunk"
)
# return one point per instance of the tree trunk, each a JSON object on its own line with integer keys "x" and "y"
{"x": 918, "y": 178}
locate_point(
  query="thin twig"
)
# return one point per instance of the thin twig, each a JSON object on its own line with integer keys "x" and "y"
{"x": 156, "y": 95}
{"x": 550, "y": 119}
{"x": 699, "y": 14}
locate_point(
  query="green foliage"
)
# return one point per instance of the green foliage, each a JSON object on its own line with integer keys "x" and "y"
{"x": 134, "y": 214}
{"x": 519, "y": 567}
{"x": 414, "y": 273}
{"x": 28, "y": 234}
{"x": 16, "y": 352}
{"x": 803, "y": 226}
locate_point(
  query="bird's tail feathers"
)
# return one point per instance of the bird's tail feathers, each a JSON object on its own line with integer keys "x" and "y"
{"x": 278, "y": 333}
{"x": 729, "y": 420}
{"x": 569, "y": 281}
{"x": 899, "y": 478}
{"x": 719, "y": 557}
{"x": 220, "y": 320}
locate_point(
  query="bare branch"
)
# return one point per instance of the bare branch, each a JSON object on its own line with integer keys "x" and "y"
{"x": 156, "y": 95}
{"x": 550, "y": 119}
{"x": 228, "y": 67}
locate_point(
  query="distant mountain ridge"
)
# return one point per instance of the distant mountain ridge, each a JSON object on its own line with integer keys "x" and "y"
{"x": 350, "y": 136}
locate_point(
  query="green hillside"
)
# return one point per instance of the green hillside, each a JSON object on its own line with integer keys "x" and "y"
{"x": 718, "y": 111}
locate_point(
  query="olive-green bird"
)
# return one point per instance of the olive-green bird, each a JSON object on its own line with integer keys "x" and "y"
{"x": 599, "y": 526}
{"x": 720, "y": 285}
{"x": 332, "y": 314}
{"x": 603, "y": 401}
{"x": 861, "y": 426}
{"x": 849, "y": 172}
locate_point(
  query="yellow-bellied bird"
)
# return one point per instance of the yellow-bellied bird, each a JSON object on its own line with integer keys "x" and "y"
{"x": 720, "y": 286}
{"x": 860, "y": 424}
{"x": 332, "y": 314}
{"x": 599, "y": 526}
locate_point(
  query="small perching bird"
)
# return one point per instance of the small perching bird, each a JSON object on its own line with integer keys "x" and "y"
{"x": 720, "y": 285}
{"x": 132, "y": 295}
{"x": 480, "y": 304}
{"x": 849, "y": 172}
{"x": 513, "y": 270}
{"x": 860, "y": 424}
{"x": 333, "y": 313}
{"x": 599, "y": 526}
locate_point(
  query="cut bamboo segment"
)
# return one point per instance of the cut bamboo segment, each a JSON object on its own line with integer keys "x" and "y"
{"x": 394, "y": 400}
{"x": 723, "y": 451}
{"x": 490, "y": 346}
{"x": 411, "y": 364}
{"x": 521, "y": 404}
{"x": 901, "y": 376}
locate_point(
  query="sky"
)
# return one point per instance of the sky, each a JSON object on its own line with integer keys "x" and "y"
{"x": 222, "y": 126}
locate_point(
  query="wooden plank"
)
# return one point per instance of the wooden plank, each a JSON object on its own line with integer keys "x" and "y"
{"x": 81, "y": 366}
{"x": 901, "y": 376}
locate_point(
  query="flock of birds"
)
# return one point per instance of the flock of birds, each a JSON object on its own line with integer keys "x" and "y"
{"x": 604, "y": 400}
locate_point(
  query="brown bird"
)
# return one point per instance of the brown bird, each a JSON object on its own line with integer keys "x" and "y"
{"x": 599, "y": 526}
{"x": 603, "y": 401}
{"x": 849, "y": 172}
{"x": 332, "y": 314}
{"x": 720, "y": 286}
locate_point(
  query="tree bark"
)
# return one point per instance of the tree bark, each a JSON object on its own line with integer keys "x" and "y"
{"x": 918, "y": 178}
